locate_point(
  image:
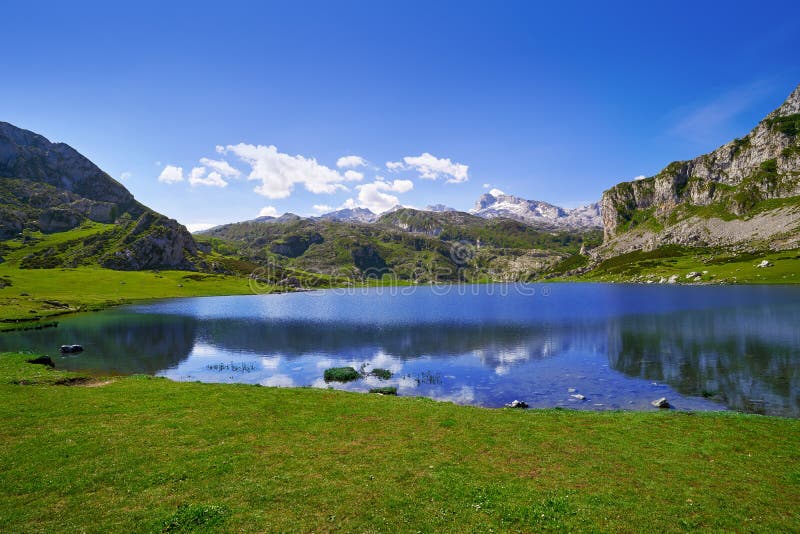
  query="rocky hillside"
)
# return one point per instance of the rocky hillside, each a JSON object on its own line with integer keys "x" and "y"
{"x": 50, "y": 187}
{"x": 496, "y": 204}
{"x": 745, "y": 194}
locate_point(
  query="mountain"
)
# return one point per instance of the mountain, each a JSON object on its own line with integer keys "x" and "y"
{"x": 496, "y": 204}
{"x": 745, "y": 194}
{"x": 50, "y": 187}
{"x": 350, "y": 215}
{"x": 438, "y": 208}
{"x": 286, "y": 217}
{"x": 410, "y": 244}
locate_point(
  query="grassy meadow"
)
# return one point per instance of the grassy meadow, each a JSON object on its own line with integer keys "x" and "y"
{"x": 142, "y": 454}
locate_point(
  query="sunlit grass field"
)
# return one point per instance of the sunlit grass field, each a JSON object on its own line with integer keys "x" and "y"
{"x": 143, "y": 454}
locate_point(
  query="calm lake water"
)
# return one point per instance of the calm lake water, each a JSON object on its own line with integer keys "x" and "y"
{"x": 620, "y": 346}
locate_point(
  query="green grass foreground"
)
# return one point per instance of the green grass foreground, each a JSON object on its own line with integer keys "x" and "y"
{"x": 36, "y": 294}
{"x": 143, "y": 454}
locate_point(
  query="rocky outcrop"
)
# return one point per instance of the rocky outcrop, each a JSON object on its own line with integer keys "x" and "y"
{"x": 735, "y": 178}
{"x": 295, "y": 245}
{"x": 154, "y": 242}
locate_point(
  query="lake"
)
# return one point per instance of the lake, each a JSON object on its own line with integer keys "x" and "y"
{"x": 618, "y": 346}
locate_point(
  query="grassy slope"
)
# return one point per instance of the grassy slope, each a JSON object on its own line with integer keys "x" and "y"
{"x": 722, "y": 267}
{"x": 139, "y": 453}
{"x": 89, "y": 288}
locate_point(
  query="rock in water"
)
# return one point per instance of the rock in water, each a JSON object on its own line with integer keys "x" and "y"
{"x": 661, "y": 403}
{"x": 70, "y": 349}
{"x": 578, "y": 396}
{"x": 517, "y": 404}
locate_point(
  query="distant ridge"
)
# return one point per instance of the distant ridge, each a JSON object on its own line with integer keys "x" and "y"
{"x": 496, "y": 204}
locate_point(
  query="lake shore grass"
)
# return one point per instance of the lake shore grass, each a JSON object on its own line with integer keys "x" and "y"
{"x": 144, "y": 454}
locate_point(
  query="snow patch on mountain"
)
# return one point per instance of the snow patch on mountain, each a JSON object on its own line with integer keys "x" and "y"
{"x": 498, "y": 204}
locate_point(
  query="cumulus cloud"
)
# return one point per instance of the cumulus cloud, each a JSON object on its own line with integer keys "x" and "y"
{"x": 376, "y": 196}
{"x": 354, "y": 176}
{"x": 279, "y": 172}
{"x": 487, "y": 186}
{"x": 322, "y": 208}
{"x": 395, "y": 166}
{"x": 198, "y": 177}
{"x": 268, "y": 211}
{"x": 351, "y": 162}
{"x": 198, "y": 227}
{"x": 171, "y": 174}
{"x": 221, "y": 166}
{"x": 431, "y": 167}
{"x": 125, "y": 176}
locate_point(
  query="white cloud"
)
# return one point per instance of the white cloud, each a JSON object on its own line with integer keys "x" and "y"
{"x": 351, "y": 162}
{"x": 487, "y": 186}
{"x": 171, "y": 174}
{"x": 495, "y": 192}
{"x": 157, "y": 163}
{"x": 125, "y": 176}
{"x": 198, "y": 177}
{"x": 431, "y": 167}
{"x": 322, "y": 208}
{"x": 640, "y": 177}
{"x": 280, "y": 172}
{"x": 221, "y": 166}
{"x": 279, "y": 381}
{"x": 268, "y": 211}
{"x": 198, "y": 227}
{"x": 395, "y": 166}
{"x": 376, "y": 197}
{"x": 353, "y": 176}
{"x": 400, "y": 186}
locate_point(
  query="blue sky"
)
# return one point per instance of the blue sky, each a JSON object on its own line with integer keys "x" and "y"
{"x": 550, "y": 102}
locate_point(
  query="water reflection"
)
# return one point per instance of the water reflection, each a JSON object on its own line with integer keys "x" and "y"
{"x": 749, "y": 358}
{"x": 742, "y": 353}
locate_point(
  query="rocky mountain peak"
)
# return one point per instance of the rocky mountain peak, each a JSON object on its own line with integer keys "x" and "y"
{"x": 791, "y": 106}
{"x": 25, "y": 154}
{"x": 498, "y": 204}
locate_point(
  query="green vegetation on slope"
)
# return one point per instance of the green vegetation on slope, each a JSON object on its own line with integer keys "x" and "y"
{"x": 412, "y": 245}
{"x": 713, "y": 265}
{"x": 28, "y": 293}
{"x": 144, "y": 454}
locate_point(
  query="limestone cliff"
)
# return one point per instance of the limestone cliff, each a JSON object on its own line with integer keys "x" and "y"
{"x": 694, "y": 202}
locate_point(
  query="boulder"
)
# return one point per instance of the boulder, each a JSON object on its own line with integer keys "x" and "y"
{"x": 764, "y": 263}
{"x": 517, "y": 404}
{"x": 661, "y": 403}
{"x": 70, "y": 349}
{"x": 578, "y": 396}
